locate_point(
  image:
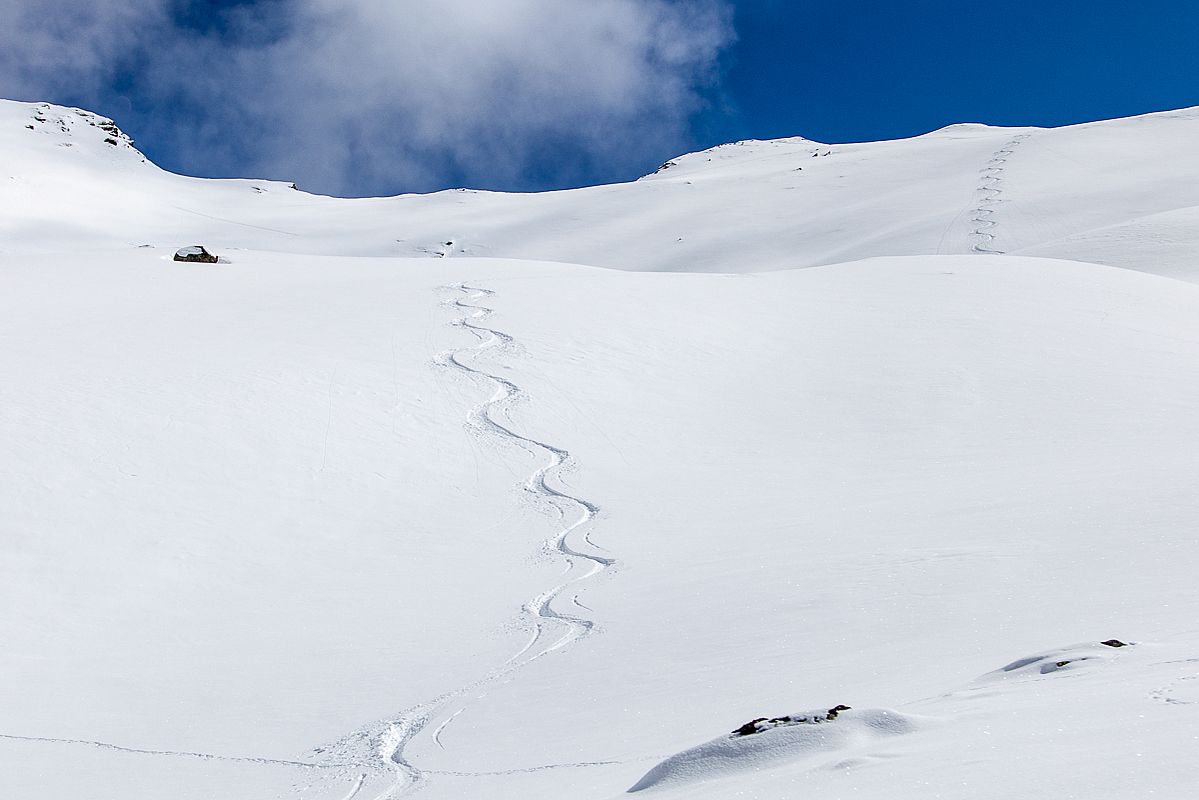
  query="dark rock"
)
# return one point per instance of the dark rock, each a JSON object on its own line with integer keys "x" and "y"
{"x": 1062, "y": 663}
{"x": 749, "y": 727}
{"x": 763, "y": 724}
{"x": 196, "y": 254}
{"x": 1115, "y": 643}
{"x": 112, "y": 142}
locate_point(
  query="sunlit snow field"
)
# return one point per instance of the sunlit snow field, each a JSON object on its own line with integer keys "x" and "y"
{"x": 474, "y": 495}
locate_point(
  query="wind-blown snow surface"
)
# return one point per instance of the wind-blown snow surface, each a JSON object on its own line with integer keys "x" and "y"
{"x": 318, "y": 524}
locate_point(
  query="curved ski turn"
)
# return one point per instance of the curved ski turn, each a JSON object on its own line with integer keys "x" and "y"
{"x": 382, "y": 748}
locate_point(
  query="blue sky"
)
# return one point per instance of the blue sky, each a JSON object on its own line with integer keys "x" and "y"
{"x": 852, "y": 71}
{"x": 364, "y": 97}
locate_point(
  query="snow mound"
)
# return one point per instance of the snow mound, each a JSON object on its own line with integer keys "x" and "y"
{"x": 811, "y": 735}
{"x": 1065, "y": 658}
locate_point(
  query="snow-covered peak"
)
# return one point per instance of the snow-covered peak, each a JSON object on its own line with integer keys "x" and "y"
{"x": 42, "y": 124}
{"x": 729, "y": 153}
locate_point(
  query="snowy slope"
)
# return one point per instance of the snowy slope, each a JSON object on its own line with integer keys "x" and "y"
{"x": 321, "y": 523}
{"x": 1063, "y": 193}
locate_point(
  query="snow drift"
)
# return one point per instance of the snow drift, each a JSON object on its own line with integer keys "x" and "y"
{"x": 730, "y": 756}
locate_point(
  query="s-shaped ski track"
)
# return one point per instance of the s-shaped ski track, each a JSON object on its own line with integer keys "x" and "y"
{"x": 382, "y": 748}
{"x": 992, "y": 186}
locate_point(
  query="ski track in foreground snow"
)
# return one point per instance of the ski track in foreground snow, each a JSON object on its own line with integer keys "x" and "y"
{"x": 383, "y": 747}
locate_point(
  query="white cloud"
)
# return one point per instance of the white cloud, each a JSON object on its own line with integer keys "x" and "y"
{"x": 347, "y": 95}
{"x": 56, "y": 46}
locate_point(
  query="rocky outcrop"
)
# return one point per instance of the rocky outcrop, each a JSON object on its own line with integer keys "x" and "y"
{"x": 195, "y": 254}
{"x": 69, "y": 120}
{"x": 764, "y": 724}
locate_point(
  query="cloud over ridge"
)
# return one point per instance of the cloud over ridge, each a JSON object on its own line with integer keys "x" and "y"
{"x": 365, "y": 96}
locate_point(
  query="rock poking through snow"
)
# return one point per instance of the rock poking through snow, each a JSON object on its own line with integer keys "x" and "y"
{"x": 195, "y": 254}
{"x": 1091, "y": 653}
{"x": 812, "y": 718}
{"x": 802, "y": 737}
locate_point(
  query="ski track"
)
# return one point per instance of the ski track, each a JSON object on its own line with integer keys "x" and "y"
{"x": 382, "y": 748}
{"x": 356, "y": 788}
{"x": 442, "y": 726}
{"x": 173, "y": 753}
{"x": 991, "y": 185}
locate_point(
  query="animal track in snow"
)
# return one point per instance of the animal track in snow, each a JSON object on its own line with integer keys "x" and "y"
{"x": 1181, "y": 692}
